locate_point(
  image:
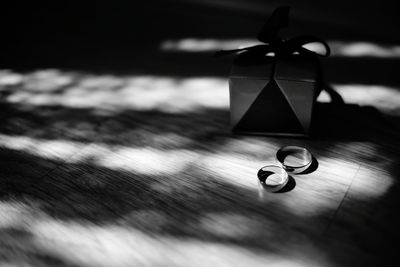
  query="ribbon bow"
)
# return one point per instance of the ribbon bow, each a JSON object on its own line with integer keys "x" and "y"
{"x": 274, "y": 43}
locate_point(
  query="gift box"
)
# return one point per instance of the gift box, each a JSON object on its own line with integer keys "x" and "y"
{"x": 274, "y": 96}
{"x": 273, "y": 86}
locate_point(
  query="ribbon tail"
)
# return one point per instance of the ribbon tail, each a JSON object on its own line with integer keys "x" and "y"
{"x": 228, "y": 52}
{"x": 258, "y": 49}
{"x": 296, "y": 44}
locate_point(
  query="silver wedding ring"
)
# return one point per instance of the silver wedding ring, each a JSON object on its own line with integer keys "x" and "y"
{"x": 273, "y": 178}
{"x": 294, "y": 159}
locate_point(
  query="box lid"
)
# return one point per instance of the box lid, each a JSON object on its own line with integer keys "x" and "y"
{"x": 294, "y": 67}
{"x": 297, "y": 68}
{"x": 252, "y": 68}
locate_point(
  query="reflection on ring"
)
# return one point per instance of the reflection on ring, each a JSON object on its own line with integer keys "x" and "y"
{"x": 294, "y": 159}
{"x": 272, "y": 178}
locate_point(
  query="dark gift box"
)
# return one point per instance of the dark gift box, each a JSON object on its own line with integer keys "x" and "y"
{"x": 275, "y": 95}
{"x": 273, "y": 86}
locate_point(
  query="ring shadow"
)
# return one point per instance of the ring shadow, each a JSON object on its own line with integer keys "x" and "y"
{"x": 312, "y": 168}
{"x": 290, "y": 185}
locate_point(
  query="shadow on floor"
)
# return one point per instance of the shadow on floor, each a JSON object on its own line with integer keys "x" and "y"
{"x": 158, "y": 204}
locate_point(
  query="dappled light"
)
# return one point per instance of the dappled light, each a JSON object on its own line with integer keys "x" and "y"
{"x": 116, "y": 147}
{"x": 386, "y": 99}
{"x": 339, "y": 48}
{"x": 173, "y": 95}
{"x": 54, "y": 149}
{"x": 91, "y": 245}
{"x": 71, "y": 89}
{"x": 364, "y": 49}
{"x": 206, "y": 45}
{"x": 164, "y": 144}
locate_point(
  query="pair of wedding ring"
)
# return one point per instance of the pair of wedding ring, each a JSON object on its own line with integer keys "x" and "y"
{"x": 292, "y": 159}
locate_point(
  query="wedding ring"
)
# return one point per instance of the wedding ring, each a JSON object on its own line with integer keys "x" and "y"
{"x": 272, "y": 178}
{"x": 294, "y": 159}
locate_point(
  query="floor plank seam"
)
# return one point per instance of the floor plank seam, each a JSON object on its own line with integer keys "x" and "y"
{"x": 341, "y": 202}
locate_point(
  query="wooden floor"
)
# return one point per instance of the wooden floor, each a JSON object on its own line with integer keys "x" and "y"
{"x": 108, "y": 170}
{"x": 115, "y": 147}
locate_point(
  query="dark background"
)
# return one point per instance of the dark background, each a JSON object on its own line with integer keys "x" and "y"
{"x": 126, "y": 36}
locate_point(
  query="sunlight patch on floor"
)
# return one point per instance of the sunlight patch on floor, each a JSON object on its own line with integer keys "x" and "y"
{"x": 13, "y": 214}
{"x": 206, "y": 45}
{"x": 172, "y": 95}
{"x": 91, "y": 245}
{"x": 51, "y": 149}
{"x": 371, "y": 183}
{"x": 8, "y": 77}
{"x": 139, "y": 160}
{"x": 235, "y": 226}
{"x": 233, "y": 169}
{"x": 338, "y": 48}
{"x": 80, "y": 90}
{"x": 384, "y": 98}
{"x": 146, "y": 161}
{"x": 236, "y": 168}
{"x": 374, "y": 180}
{"x": 364, "y": 49}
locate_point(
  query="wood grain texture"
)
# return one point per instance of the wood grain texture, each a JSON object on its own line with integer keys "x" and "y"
{"x": 117, "y": 182}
